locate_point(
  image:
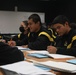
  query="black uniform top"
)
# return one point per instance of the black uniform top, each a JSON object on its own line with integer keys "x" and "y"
{"x": 66, "y": 44}
{"x": 20, "y": 38}
{"x": 40, "y": 40}
{"x": 9, "y": 54}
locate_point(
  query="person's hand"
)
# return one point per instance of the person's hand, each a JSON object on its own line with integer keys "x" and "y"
{"x": 2, "y": 40}
{"x": 51, "y": 49}
{"x": 12, "y": 43}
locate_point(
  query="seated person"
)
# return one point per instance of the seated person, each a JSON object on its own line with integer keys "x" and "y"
{"x": 39, "y": 37}
{"x": 66, "y": 41}
{"x": 9, "y": 54}
{"x": 17, "y": 40}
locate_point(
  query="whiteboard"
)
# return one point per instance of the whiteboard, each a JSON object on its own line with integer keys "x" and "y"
{"x": 10, "y": 20}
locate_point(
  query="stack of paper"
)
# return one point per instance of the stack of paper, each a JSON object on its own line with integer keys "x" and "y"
{"x": 27, "y": 68}
{"x": 54, "y": 56}
{"x": 60, "y": 56}
{"x": 40, "y": 52}
{"x": 60, "y": 66}
{"x": 22, "y": 48}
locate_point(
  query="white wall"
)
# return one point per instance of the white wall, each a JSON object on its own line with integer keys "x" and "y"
{"x": 10, "y": 20}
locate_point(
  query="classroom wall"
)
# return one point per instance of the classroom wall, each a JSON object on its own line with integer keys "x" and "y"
{"x": 51, "y": 8}
{"x": 10, "y": 20}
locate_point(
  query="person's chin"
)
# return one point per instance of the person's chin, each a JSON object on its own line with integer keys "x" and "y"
{"x": 60, "y": 34}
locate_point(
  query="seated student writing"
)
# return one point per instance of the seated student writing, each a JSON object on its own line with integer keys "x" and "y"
{"x": 39, "y": 37}
{"x": 20, "y": 38}
{"x": 66, "y": 41}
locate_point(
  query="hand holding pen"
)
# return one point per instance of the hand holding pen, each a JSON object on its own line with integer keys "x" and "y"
{"x": 12, "y": 43}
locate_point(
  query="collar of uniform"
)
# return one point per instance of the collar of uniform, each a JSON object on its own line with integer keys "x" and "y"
{"x": 69, "y": 33}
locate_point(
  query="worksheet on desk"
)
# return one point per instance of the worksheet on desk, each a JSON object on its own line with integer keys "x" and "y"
{"x": 22, "y": 48}
{"x": 25, "y": 67}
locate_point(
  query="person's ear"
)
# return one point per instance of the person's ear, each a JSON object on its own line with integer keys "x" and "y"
{"x": 66, "y": 23}
{"x": 38, "y": 22}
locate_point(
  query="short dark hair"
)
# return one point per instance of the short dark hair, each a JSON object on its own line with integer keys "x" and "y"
{"x": 25, "y": 22}
{"x": 35, "y": 18}
{"x": 73, "y": 25}
{"x": 60, "y": 19}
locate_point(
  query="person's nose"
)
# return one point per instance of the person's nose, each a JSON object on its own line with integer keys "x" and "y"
{"x": 28, "y": 26}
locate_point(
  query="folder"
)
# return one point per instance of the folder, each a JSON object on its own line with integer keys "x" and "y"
{"x": 44, "y": 54}
{"x": 38, "y": 55}
{"x": 72, "y": 61}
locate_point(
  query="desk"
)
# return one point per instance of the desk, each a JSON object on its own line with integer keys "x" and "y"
{"x": 41, "y": 60}
{"x": 47, "y": 59}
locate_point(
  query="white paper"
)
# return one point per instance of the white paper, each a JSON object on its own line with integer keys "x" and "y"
{"x": 24, "y": 67}
{"x": 60, "y": 66}
{"x": 40, "y": 52}
{"x": 22, "y": 48}
{"x": 60, "y": 56}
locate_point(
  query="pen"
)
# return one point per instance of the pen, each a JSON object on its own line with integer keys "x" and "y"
{"x": 52, "y": 44}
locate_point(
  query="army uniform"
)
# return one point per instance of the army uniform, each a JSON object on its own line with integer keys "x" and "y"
{"x": 20, "y": 39}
